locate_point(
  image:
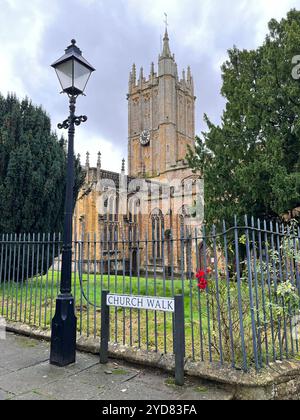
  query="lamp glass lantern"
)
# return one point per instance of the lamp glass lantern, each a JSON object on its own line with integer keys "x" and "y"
{"x": 73, "y": 71}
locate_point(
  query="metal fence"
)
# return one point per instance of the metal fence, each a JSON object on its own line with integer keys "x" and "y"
{"x": 241, "y": 287}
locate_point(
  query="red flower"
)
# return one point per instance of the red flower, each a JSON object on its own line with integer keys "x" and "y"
{"x": 200, "y": 274}
{"x": 203, "y": 284}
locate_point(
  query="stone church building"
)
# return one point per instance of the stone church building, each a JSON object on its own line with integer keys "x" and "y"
{"x": 138, "y": 220}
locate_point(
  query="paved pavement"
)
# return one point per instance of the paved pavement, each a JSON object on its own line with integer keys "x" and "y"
{"x": 25, "y": 374}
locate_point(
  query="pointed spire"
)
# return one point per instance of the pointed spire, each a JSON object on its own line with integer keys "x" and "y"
{"x": 99, "y": 160}
{"x": 87, "y": 163}
{"x": 99, "y": 166}
{"x": 141, "y": 74}
{"x": 123, "y": 166}
{"x": 133, "y": 74}
{"x": 166, "y": 59}
{"x": 190, "y": 80}
{"x": 166, "y": 53}
{"x": 152, "y": 71}
{"x": 189, "y": 74}
{"x": 141, "y": 78}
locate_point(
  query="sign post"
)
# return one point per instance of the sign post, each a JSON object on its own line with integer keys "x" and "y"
{"x": 173, "y": 305}
{"x": 104, "y": 328}
{"x": 179, "y": 340}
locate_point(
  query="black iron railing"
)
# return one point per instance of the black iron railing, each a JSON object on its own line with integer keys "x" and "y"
{"x": 241, "y": 288}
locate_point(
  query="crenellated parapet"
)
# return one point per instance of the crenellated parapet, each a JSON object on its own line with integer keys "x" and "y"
{"x": 142, "y": 83}
{"x": 94, "y": 174}
{"x": 186, "y": 83}
{"x": 136, "y": 85}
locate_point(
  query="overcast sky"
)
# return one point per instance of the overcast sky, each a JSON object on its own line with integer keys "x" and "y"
{"x": 112, "y": 35}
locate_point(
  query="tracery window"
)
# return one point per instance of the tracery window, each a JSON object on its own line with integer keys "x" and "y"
{"x": 157, "y": 222}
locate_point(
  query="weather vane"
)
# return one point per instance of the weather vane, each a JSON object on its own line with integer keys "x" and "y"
{"x": 167, "y": 24}
{"x": 166, "y": 20}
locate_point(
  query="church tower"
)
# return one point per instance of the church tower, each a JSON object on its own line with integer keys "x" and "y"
{"x": 161, "y": 118}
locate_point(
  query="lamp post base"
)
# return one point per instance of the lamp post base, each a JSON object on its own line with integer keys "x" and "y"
{"x": 63, "y": 336}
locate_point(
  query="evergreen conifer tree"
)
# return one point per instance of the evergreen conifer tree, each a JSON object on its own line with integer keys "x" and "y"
{"x": 32, "y": 171}
{"x": 251, "y": 161}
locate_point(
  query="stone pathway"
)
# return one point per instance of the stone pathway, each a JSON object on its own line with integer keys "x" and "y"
{"x": 25, "y": 374}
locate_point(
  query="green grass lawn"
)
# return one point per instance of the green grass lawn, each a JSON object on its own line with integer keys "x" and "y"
{"x": 33, "y": 303}
{"x": 43, "y": 290}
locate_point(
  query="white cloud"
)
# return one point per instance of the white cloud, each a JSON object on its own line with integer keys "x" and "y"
{"x": 268, "y": 9}
{"x": 23, "y": 25}
{"x": 211, "y": 27}
{"x": 200, "y": 24}
{"x": 89, "y": 142}
{"x": 119, "y": 32}
{"x": 23, "y": 43}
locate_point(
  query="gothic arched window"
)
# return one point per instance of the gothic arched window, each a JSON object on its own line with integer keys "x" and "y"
{"x": 184, "y": 215}
{"x": 157, "y": 224}
{"x": 82, "y": 224}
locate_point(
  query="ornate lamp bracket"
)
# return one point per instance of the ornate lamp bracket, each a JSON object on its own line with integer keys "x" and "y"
{"x": 74, "y": 120}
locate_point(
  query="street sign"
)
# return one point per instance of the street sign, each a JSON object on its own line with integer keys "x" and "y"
{"x": 173, "y": 305}
{"x": 142, "y": 302}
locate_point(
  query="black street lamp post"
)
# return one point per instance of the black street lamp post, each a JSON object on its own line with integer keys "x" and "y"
{"x": 73, "y": 72}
